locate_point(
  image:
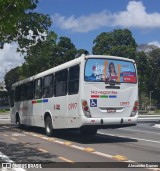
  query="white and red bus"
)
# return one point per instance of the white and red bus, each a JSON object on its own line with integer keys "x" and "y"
{"x": 89, "y": 93}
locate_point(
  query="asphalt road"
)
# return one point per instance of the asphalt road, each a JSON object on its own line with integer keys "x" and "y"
{"x": 68, "y": 149}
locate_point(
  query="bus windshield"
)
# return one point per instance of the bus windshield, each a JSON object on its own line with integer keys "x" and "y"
{"x": 100, "y": 70}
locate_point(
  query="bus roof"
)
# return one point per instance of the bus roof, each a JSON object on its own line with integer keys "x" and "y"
{"x": 73, "y": 62}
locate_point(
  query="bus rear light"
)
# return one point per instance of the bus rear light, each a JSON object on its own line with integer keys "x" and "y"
{"x": 86, "y": 109}
{"x": 136, "y": 103}
{"x": 135, "y": 109}
{"x": 84, "y": 103}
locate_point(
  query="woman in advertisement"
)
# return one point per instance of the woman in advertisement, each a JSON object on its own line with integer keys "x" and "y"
{"x": 112, "y": 75}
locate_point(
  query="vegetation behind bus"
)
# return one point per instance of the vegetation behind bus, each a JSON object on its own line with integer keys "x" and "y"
{"x": 47, "y": 53}
{"x": 50, "y": 53}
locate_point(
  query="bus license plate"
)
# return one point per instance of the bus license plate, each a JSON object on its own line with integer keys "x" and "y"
{"x": 111, "y": 110}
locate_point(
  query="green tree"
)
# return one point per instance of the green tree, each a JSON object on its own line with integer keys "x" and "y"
{"x": 81, "y": 51}
{"x": 48, "y": 54}
{"x": 12, "y": 77}
{"x": 17, "y": 19}
{"x": 42, "y": 56}
{"x": 144, "y": 72}
{"x": 154, "y": 80}
{"x": 117, "y": 43}
{"x": 37, "y": 58}
{"x": 63, "y": 51}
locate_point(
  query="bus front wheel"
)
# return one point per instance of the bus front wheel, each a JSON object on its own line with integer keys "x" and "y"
{"x": 18, "y": 121}
{"x": 48, "y": 126}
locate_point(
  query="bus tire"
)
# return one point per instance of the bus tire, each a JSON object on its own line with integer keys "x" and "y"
{"x": 18, "y": 121}
{"x": 48, "y": 126}
{"x": 88, "y": 131}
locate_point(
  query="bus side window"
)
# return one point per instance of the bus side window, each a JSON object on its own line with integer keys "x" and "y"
{"x": 73, "y": 81}
{"x": 38, "y": 88}
{"x": 23, "y": 92}
{"x": 30, "y": 90}
{"x": 12, "y": 98}
{"x": 48, "y": 86}
{"x": 61, "y": 83}
{"x": 17, "y": 94}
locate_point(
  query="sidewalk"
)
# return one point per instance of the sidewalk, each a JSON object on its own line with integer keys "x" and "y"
{"x": 148, "y": 116}
{"x": 5, "y": 116}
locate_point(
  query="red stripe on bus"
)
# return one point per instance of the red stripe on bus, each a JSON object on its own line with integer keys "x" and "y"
{"x": 94, "y": 96}
{"x": 33, "y": 102}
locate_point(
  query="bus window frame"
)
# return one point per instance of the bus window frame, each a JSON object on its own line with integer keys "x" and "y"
{"x": 74, "y": 80}
{"x": 31, "y": 91}
{"x": 34, "y": 89}
{"x": 104, "y": 81}
{"x": 66, "y": 82}
{"x": 52, "y": 86}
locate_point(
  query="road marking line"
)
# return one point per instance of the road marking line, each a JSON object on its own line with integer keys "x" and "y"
{"x": 68, "y": 143}
{"x": 42, "y": 150}
{"x": 88, "y": 149}
{"x": 59, "y": 142}
{"x": 66, "y": 160}
{"x": 77, "y": 147}
{"x": 45, "y": 138}
{"x": 138, "y": 131}
{"x": 5, "y": 135}
{"x": 51, "y": 139}
{"x": 120, "y": 157}
{"x": 129, "y": 137}
{"x": 117, "y": 157}
{"x": 39, "y": 135}
{"x": 102, "y": 154}
{"x": 5, "y": 126}
{"x": 14, "y": 139}
{"x": 35, "y": 135}
{"x": 26, "y": 132}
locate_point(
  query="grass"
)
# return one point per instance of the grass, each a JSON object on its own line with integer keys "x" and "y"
{"x": 3, "y": 111}
{"x": 157, "y": 112}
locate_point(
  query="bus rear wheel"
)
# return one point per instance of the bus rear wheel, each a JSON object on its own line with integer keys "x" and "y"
{"x": 48, "y": 126}
{"x": 88, "y": 131}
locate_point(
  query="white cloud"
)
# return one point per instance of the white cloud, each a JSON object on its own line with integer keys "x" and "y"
{"x": 135, "y": 15}
{"x": 155, "y": 43}
{"x": 82, "y": 23}
{"x": 9, "y": 58}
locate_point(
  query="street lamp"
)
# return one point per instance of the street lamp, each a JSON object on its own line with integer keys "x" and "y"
{"x": 150, "y": 99}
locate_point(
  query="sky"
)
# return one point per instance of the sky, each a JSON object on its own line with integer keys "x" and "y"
{"x": 83, "y": 20}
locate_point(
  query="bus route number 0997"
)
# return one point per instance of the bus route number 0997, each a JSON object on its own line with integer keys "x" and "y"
{"x": 72, "y": 106}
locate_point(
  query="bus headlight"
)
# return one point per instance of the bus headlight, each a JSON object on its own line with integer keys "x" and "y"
{"x": 85, "y": 108}
{"x": 135, "y": 109}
